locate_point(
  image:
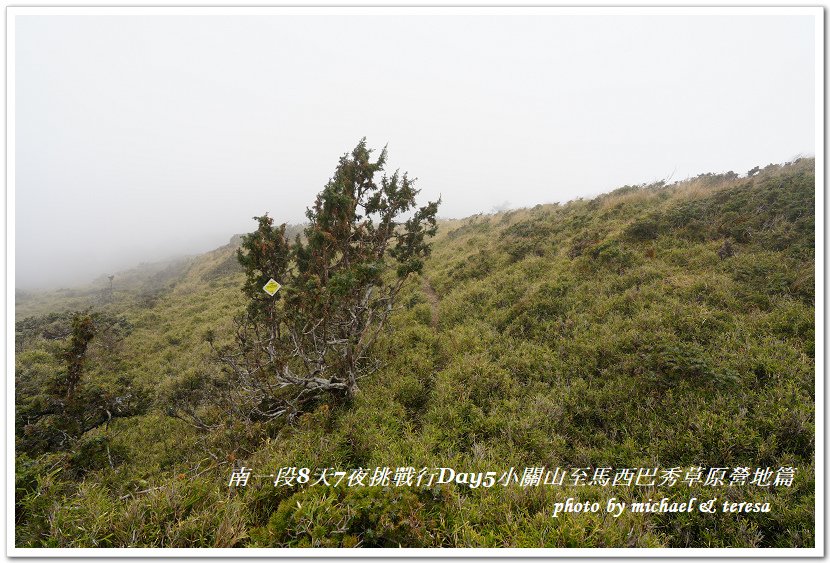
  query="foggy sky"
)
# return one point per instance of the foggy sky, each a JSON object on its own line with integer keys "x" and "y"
{"x": 144, "y": 137}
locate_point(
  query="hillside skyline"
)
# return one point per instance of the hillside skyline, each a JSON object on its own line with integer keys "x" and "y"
{"x": 128, "y": 264}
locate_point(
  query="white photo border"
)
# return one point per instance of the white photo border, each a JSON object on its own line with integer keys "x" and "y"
{"x": 816, "y": 12}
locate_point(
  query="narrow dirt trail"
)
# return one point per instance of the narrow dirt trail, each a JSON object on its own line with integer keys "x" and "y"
{"x": 432, "y": 297}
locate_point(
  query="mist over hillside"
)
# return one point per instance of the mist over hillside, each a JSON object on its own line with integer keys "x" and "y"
{"x": 120, "y": 157}
{"x": 91, "y": 277}
{"x": 99, "y": 261}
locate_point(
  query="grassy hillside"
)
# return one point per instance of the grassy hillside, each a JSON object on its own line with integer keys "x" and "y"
{"x": 654, "y": 326}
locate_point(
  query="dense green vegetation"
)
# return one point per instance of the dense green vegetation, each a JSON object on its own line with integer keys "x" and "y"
{"x": 654, "y": 326}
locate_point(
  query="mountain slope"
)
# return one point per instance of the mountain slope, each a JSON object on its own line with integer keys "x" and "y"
{"x": 652, "y": 327}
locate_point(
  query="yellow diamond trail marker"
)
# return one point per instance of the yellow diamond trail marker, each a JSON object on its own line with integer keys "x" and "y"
{"x": 271, "y": 287}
